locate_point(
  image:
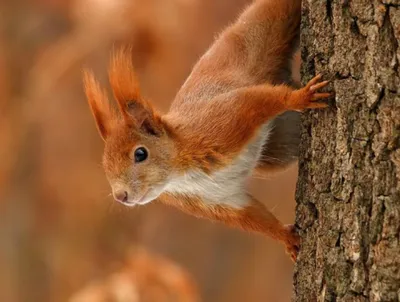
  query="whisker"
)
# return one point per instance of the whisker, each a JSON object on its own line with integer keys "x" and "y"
{"x": 114, "y": 208}
{"x": 261, "y": 177}
{"x": 271, "y": 158}
{"x": 272, "y": 209}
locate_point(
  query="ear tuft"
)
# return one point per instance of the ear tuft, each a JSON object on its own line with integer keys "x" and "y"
{"x": 126, "y": 90}
{"x": 123, "y": 79}
{"x": 101, "y": 108}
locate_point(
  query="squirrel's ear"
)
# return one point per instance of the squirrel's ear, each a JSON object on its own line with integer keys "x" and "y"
{"x": 144, "y": 117}
{"x": 125, "y": 86}
{"x": 100, "y": 106}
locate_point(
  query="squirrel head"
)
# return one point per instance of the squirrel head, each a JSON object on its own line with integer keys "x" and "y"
{"x": 138, "y": 148}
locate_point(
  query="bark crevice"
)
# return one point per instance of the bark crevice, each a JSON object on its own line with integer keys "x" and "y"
{"x": 348, "y": 200}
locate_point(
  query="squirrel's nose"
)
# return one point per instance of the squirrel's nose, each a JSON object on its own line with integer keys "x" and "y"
{"x": 121, "y": 196}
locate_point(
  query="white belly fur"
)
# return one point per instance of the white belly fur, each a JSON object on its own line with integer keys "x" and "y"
{"x": 225, "y": 186}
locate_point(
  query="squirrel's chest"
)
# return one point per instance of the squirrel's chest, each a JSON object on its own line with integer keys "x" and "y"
{"x": 227, "y": 185}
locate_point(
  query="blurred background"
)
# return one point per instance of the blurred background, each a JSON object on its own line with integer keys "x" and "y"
{"x": 62, "y": 237}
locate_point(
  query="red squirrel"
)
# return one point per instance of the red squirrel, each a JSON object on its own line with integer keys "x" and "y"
{"x": 233, "y": 116}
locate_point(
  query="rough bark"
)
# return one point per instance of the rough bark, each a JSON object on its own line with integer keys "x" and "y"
{"x": 348, "y": 193}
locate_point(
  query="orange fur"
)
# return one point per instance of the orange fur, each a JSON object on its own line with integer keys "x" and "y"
{"x": 123, "y": 80}
{"x": 254, "y": 217}
{"x": 238, "y": 86}
{"x": 99, "y": 104}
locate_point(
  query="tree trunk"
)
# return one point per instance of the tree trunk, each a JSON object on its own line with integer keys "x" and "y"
{"x": 348, "y": 193}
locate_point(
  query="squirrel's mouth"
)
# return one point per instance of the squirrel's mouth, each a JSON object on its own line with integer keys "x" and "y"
{"x": 141, "y": 201}
{"x": 148, "y": 196}
{"x": 145, "y": 198}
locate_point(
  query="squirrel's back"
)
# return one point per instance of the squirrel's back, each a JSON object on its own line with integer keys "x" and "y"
{"x": 257, "y": 48}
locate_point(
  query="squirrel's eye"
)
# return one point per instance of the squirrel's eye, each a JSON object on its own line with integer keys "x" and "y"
{"x": 140, "y": 154}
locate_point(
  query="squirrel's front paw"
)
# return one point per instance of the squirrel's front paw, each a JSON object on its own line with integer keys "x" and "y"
{"x": 292, "y": 241}
{"x": 308, "y": 97}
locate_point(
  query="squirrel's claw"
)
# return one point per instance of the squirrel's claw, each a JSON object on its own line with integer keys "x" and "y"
{"x": 293, "y": 242}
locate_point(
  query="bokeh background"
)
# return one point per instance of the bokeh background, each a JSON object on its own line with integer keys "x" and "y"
{"x": 62, "y": 237}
